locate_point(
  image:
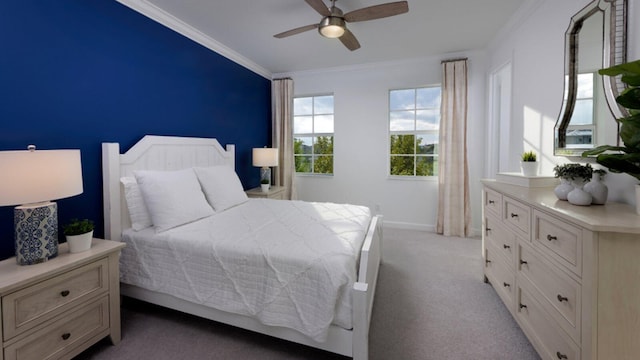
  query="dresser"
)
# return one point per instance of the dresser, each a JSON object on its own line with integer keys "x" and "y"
{"x": 57, "y": 309}
{"x": 569, "y": 275}
{"x": 275, "y": 192}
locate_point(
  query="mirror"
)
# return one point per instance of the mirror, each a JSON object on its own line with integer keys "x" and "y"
{"x": 595, "y": 39}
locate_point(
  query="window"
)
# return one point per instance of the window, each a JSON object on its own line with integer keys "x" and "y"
{"x": 581, "y": 129}
{"x": 414, "y": 123}
{"x": 313, "y": 134}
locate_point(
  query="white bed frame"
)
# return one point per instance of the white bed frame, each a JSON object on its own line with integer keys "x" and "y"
{"x": 174, "y": 153}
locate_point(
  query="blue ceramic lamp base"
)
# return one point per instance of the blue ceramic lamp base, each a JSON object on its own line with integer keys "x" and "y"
{"x": 36, "y": 232}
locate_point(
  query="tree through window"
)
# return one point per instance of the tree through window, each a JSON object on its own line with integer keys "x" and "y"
{"x": 313, "y": 134}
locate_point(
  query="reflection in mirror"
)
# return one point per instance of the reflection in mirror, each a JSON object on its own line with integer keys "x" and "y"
{"x": 595, "y": 39}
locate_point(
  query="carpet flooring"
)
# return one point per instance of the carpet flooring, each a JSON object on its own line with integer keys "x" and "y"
{"x": 431, "y": 303}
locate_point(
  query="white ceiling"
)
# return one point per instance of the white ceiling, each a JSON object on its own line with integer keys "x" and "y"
{"x": 431, "y": 27}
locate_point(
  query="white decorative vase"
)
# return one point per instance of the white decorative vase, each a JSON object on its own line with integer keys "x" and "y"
{"x": 265, "y": 187}
{"x": 563, "y": 189}
{"x": 578, "y": 196}
{"x": 529, "y": 168}
{"x": 638, "y": 199}
{"x": 80, "y": 243}
{"x": 597, "y": 189}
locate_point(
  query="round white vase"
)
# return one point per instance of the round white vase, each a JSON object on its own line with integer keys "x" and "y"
{"x": 578, "y": 196}
{"x": 597, "y": 189}
{"x": 529, "y": 168}
{"x": 563, "y": 189}
{"x": 79, "y": 243}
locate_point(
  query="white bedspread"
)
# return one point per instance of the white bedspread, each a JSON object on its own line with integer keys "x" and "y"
{"x": 285, "y": 263}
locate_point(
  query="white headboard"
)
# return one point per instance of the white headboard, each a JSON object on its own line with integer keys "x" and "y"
{"x": 151, "y": 153}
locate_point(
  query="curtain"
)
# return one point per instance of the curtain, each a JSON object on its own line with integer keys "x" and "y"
{"x": 453, "y": 175}
{"x": 282, "y": 134}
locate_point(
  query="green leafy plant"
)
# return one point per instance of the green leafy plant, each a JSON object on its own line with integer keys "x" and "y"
{"x": 573, "y": 171}
{"x": 77, "y": 227}
{"x": 529, "y": 156}
{"x": 624, "y": 159}
{"x": 601, "y": 173}
{"x": 264, "y": 181}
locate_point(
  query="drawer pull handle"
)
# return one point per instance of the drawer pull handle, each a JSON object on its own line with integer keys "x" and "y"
{"x": 491, "y": 202}
{"x": 66, "y": 336}
{"x": 488, "y": 229}
{"x": 506, "y": 246}
{"x": 523, "y": 306}
{"x": 514, "y": 215}
{"x": 506, "y": 285}
{"x": 549, "y": 237}
{"x": 64, "y": 293}
{"x": 562, "y": 298}
{"x": 561, "y": 355}
{"x": 487, "y": 261}
{"x": 523, "y": 262}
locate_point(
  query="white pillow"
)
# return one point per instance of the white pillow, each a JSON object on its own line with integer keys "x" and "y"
{"x": 138, "y": 213}
{"x": 173, "y": 198}
{"x": 221, "y": 186}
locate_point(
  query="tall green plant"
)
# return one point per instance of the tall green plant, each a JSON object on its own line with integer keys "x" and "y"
{"x": 624, "y": 159}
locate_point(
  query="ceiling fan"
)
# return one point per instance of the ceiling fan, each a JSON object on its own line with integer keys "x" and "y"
{"x": 334, "y": 22}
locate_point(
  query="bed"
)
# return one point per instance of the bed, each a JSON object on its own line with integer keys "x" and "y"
{"x": 345, "y": 334}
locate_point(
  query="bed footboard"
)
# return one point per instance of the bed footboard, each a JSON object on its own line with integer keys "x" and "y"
{"x": 364, "y": 289}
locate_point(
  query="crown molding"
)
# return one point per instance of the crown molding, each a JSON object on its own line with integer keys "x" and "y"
{"x": 164, "y": 18}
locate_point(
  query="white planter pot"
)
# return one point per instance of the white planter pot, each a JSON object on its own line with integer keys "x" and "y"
{"x": 79, "y": 243}
{"x": 578, "y": 196}
{"x": 265, "y": 187}
{"x": 597, "y": 189}
{"x": 529, "y": 168}
{"x": 563, "y": 189}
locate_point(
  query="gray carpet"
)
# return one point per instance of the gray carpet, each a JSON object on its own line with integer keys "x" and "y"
{"x": 431, "y": 303}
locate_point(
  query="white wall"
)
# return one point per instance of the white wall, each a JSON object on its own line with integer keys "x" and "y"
{"x": 535, "y": 46}
{"x": 362, "y": 139}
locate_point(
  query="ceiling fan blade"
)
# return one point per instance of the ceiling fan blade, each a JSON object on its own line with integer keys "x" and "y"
{"x": 295, "y": 31}
{"x": 349, "y": 40}
{"x": 319, "y": 6}
{"x": 377, "y": 11}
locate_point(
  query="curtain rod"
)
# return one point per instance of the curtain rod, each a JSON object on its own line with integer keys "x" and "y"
{"x": 452, "y": 60}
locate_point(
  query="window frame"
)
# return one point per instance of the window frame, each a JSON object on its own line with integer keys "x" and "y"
{"x": 416, "y": 133}
{"x": 314, "y": 136}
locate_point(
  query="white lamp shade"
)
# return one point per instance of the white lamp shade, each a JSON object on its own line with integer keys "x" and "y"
{"x": 265, "y": 157}
{"x": 28, "y": 177}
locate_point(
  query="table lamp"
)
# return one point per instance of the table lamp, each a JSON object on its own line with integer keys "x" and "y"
{"x": 264, "y": 158}
{"x": 34, "y": 178}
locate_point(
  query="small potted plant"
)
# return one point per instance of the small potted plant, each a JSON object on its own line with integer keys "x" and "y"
{"x": 79, "y": 234}
{"x": 571, "y": 175}
{"x": 264, "y": 184}
{"x": 529, "y": 163}
{"x": 578, "y": 174}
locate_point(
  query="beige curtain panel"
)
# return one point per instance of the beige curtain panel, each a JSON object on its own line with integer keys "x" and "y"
{"x": 453, "y": 175}
{"x": 282, "y": 134}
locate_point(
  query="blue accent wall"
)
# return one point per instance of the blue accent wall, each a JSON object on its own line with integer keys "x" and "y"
{"x": 74, "y": 74}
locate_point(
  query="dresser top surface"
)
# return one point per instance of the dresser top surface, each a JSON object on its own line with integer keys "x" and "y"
{"x": 611, "y": 217}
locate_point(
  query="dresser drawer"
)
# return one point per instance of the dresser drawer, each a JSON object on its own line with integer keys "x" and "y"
{"x": 501, "y": 276}
{"x": 518, "y": 216}
{"x": 559, "y": 294}
{"x": 558, "y": 239}
{"x": 550, "y": 341}
{"x": 502, "y": 239}
{"x": 492, "y": 201}
{"x": 63, "y": 334}
{"x": 26, "y": 308}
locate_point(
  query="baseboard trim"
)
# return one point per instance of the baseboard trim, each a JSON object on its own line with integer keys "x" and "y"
{"x": 474, "y": 232}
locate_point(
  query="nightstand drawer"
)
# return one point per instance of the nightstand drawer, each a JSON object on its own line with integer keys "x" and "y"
{"x": 26, "y": 308}
{"x": 62, "y": 336}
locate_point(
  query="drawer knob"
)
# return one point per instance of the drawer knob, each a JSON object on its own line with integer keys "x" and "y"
{"x": 487, "y": 261}
{"x": 64, "y": 293}
{"x": 506, "y": 285}
{"x": 523, "y": 306}
{"x": 562, "y": 298}
{"x": 66, "y": 336}
{"x": 549, "y": 237}
{"x": 523, "y": 262}
{"x": 488, "y": 229}
{"x": 561, "y": 355}
{"x": 506, "y": 246}
{"x": 514, "y": 215}
{"x": 491, "y": 202}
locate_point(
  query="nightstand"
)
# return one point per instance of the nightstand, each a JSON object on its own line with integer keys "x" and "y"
{"x": 59, "y": 308}
{"x": 276, "y": 192}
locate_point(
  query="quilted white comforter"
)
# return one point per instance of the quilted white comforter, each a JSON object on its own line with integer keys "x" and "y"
{"x": 285, "y": 263}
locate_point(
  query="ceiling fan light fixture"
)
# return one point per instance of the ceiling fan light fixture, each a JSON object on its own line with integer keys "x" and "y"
{"x": 332, "y": 27}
